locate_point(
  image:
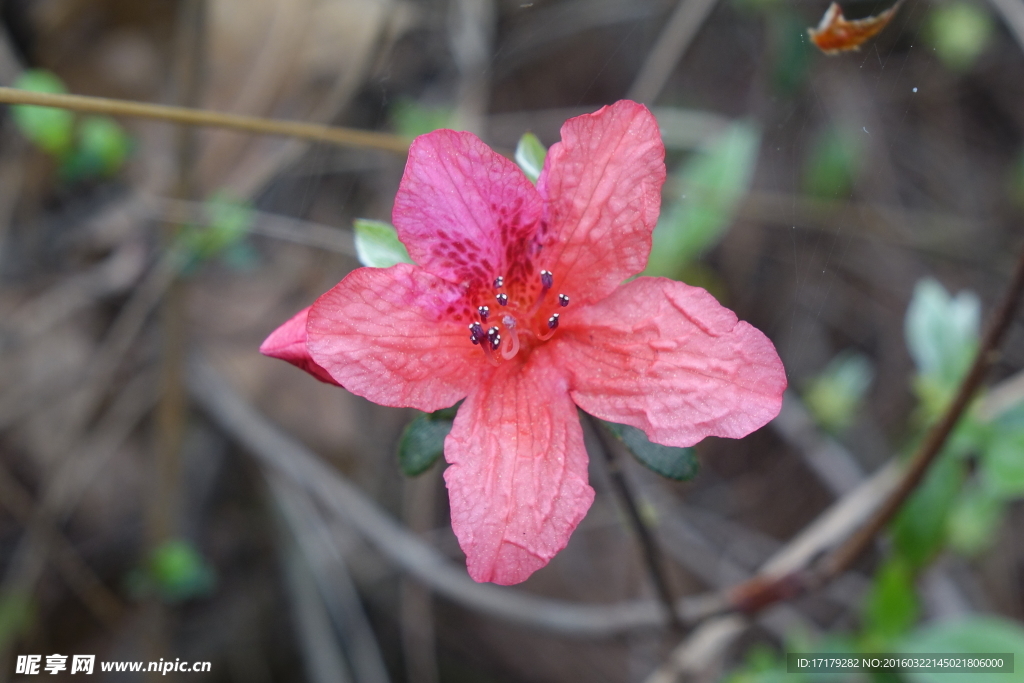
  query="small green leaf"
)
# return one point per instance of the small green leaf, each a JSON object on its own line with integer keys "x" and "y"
{"x": 48, "y": 128}
{"x": 179, "y": 572}
{"x": 411, "y": 118}
{"x": 377, "y": 244}
{"x": 1002, "y": 464}
{"x": 17, "y": 612}
{"x": 891, "y": 607}
{"x": 422, "y": 442}
{"x": 530, "y": 155}
{"x": 228, "y": 222}
{"x": 919, "y": 530}
{"x": 832, "y": 167}
{"x": 971, "y": 635}
{"x": 973, "y": 520}
{"x": 834, "y": 396}
{"x": 103, "y": 146}
{"x": 959, "y": 32}
{"x": 679, "y": 464}
{"x": 941, "y": 333}
{"x": 713, "y": 182}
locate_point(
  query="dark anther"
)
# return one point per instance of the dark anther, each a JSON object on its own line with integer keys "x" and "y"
{"x": 484, "y": 311}
{"x": 553, "y": 322}
{"x": 546, "y": 279}
{"x": 495, "y": 338}
{"x": 563, "y": 300}
{"x": 503, "y": 299}
{"x": 499, "y": 282}
{"x": 476, "y": 333}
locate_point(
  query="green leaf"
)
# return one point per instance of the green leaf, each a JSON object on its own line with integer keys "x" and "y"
{"x": 832, "y": 167}
{"x": 48, "y": 128}
{"x": 959, "y": 32}
{"x": 791, "y": 51}
{"x": 103, "y": 147}
{"x": 179, "y": 572}
{"x": 973, "y": 520}
{"x": 17, "y": 613}
{"x": 422, "y": 442}
{"x": 942, "y": 333}
{"x": 919, "y": 530}
{"x": 891, "y": 607}
{"x": 1002, "y": 464}
{"x": 713, "y": 182}
{"x": 1017, "y": 181}
{"x": 377, "y": 244}
{"x": 971, "y": 635}
{"x": 834, "y": 396}
{"x": 228, "y": 222}
{"x": 530, "y": 155}
{"x": 411, "y": 118}
{"x": 679, "y": 464}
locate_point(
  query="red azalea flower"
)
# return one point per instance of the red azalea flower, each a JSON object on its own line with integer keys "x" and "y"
{"x": 518, "y": 306}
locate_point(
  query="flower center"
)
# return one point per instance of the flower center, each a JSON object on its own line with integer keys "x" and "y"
{"x": 525, "y": 312}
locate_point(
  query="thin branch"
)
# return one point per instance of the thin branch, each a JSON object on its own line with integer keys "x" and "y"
{"x": 651, "y": 551}
{"x": 343, "y": 137}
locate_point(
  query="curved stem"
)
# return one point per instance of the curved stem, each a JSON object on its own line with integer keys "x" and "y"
{"x": 343, "y": 137}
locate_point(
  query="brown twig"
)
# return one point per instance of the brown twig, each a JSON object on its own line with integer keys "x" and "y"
{"x": 651, "y": 551}
{"x": 343, "y": 137}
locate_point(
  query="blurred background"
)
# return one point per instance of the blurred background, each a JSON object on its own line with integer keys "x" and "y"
{"x": 167, "y": 492}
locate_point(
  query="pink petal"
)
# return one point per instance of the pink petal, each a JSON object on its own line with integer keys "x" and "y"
{"x": 602, "y": 188}
{"x": 667, "y": 358}
{"x": 288, "y": 342}
{"x": 518, "y": 475}
{"x": 463, "y": 211}
{"x": 397, "y": 336}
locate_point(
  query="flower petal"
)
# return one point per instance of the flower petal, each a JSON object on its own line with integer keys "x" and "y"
{"x": 396, "y": 336}
{"x": 602, "y": 190}
{"x": 463, "y": 211}
{"x": 518, "y": 475}
{"x": 288, "y": 342}
{"x": 669, "y": 359}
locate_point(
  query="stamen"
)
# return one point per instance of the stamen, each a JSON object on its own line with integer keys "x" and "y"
{"x": 499, "y": 282}
{"x": 503, "y": 299}
{"x": 512, "y": 348}
{"x": 476, "y": 333}
{"x": 552, "y": 326}
{"x": 563, "y": 300}
{"x": 484, "y": 311}
{"x": 546, "y": 279}
{"x": 494, "y": 337}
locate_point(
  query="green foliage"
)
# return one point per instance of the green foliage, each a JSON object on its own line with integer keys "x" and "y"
{"x": 1002, "y": 464}
{"x": 942, "y": 336}
{"x": 176, "y": 571}
{"x": 410, "y": 118}
{"x": 792, "y": 50}
{"x": 377, "y": 244}
{"x": 833, "y": 164}
{"x": 1017, "y": 182}
{"x": 919, "y": 530}
{"x": 891, "y": 607}
{"x": 834, "y": 396}
{"x": 713, "y": 183}
{"x": 422, "y": 442}
{"x": 102, "y": 148}
{"x": 973, "y": 519}
{"x": 17, "y": 613}
{"x": 50, "y": 129}
{"x": 530, "y": 155}
{"x": 959, "y": 32}
{"x": 680, "y": 464}
{"x": 972, "y": 635}
{"x": 228, "y": 224}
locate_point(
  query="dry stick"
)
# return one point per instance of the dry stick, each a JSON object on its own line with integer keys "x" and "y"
{"x": 343, "y": 137}
{"x": 652, "y": 552}
{"x": 672, "y": 43}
